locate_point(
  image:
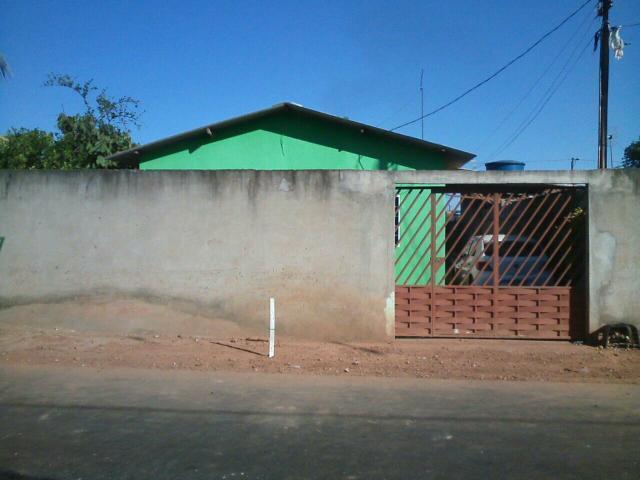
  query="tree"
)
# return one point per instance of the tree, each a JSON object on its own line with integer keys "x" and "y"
{"x": 83, "y": 140}
{"x": 27, "y": 149}
{"x": 120, "y": 112}
{"x": 631, "y": 156}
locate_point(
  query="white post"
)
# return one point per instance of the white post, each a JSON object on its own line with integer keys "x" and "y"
{"x": 272, "y": 327}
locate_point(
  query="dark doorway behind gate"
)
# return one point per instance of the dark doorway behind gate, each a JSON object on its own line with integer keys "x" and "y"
{"x": 494, "y": 261}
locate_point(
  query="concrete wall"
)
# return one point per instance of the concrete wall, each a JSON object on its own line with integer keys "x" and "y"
{"x": 200, "y": 252}
{"x": 614, "y": 245}
{"x": 210, "y": 246}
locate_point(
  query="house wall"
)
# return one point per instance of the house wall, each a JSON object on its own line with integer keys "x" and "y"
{"x": 200, "y": 252}
{"x": 284, "y": 142}
{"x": 412, "y": 255}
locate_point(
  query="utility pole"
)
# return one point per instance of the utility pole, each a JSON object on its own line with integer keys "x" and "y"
{"x": 610, "y": 140}
{"x": 603, "y": 11}
{"x": 421, "y": 105}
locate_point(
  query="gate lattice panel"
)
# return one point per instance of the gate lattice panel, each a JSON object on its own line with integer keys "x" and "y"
{"x": 489, "y": 264}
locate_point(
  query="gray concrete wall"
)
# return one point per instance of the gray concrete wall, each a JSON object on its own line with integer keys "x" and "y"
{"x": 201, "y": 252}
{"x": 614, "y": 248}
{"x": 211, "y": 247}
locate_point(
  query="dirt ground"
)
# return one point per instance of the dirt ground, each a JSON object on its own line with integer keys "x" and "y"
{"x": 428, "y": 358}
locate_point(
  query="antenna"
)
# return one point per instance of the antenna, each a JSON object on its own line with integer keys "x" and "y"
{"x": 421, "y": 106}
{"x": 573, "y": 162}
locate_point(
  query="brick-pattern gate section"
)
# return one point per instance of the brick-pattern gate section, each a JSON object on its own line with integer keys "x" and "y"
{"x": 483, "y": 311}
{"x": 489, "y": 264}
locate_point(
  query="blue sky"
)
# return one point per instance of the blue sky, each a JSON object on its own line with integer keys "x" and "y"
{"x": 196, "y": 62}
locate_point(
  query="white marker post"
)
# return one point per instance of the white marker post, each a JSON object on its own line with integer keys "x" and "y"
{"x": 272, "y": 327}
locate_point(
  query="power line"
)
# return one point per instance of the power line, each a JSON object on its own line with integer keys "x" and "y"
{"x": 497, "y": 72}
{"x": 562, "y": 160}
{"x": 402, "y": 108}
{"x": 637, "y": 24}
{"x": 544, "y": 99}
{"x": 548, "y": 95}
{"x": 555, "y": 85}
{"x": 533, "y": 86}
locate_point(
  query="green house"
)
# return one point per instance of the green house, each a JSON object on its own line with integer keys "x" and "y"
{"x": 288, "y": 136}
{"x": 291, "y": 137}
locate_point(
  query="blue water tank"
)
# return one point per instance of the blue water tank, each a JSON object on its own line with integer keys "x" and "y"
{"x": 510, "y": 165}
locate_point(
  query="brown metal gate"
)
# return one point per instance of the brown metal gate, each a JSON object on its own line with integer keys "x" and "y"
{"x": 490, "y": 262}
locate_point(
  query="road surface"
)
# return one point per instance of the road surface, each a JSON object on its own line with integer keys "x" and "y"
{"x": 66, "y": 423}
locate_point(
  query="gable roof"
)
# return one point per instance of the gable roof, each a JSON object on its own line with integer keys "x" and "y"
{"x": 132, "y": 157}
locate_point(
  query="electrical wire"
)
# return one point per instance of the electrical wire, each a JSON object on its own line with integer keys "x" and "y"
{"x": 550, "y": 91}
{"x": 411, "y": 100}
{"x": 553, "y": 88}
{"x": 562, "y": 160}
{"x": 533, "y": 115}
{"x": 576, "y": 33}
{"x": 637, "y": 24}
{"x": 497, "y": 72}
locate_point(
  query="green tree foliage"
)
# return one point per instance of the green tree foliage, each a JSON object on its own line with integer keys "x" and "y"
{"x": 632, "y": 155}
{"x": 23, "y": 148}
{"x": 83, "y": 140}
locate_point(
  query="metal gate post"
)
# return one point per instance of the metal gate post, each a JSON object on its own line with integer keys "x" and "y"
{"x": 496, "y": 258}
{"x": 434, "y": 252}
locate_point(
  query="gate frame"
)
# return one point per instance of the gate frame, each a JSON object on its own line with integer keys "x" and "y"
{"x": 581, "y": 288}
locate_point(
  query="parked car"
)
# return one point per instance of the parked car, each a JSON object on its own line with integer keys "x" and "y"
{"x": 476, "y": 264}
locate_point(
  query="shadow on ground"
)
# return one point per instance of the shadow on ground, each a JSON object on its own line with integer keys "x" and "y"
{"x": 11, "y": 475}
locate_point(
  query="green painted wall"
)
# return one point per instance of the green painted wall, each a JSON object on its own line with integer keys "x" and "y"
{"x": 415, "y": 236}
{"x": 289, "y": 141}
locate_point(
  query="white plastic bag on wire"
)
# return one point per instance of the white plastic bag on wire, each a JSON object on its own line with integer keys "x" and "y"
{"x": 616, "y": 43}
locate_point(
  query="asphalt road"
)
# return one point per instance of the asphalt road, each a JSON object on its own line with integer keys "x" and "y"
{"x": 135, "y": 424}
